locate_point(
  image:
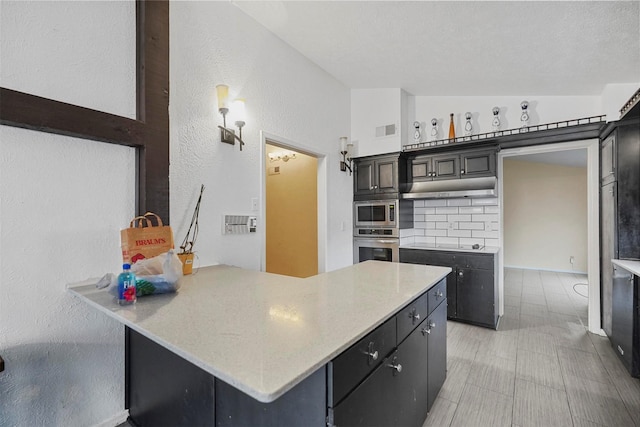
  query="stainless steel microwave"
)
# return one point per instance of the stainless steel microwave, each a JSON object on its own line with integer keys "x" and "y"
{"x": 375, "y": 213}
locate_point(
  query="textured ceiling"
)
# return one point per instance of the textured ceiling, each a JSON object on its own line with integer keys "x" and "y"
{"x": 463, "y": 48}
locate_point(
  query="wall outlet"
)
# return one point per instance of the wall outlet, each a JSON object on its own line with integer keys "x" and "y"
{"x": 254, "y": 204}
{"x": 572, "y": 260}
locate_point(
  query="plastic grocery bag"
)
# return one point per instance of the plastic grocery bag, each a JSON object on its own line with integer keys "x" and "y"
{"x": 158, "y": 275}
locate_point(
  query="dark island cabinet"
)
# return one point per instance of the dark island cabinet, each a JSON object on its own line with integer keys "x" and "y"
{"x": 402, "y": 386}
{"x": 436, "y": 330}
{"x": 378, "y": 177}
{"x": 472, "y": 286}
{"x": 619, "y": 204}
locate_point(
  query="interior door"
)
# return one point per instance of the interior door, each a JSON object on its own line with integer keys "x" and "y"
{"x": 291, "y": 213}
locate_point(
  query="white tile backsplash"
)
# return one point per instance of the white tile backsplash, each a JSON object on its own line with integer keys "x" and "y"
{"x": 427, "y": 240}
{"x": 446, "y": 241}
{"x": 455, "y": 221}
{"x": 459, "y": 233}
{"x": 485, "y": 234}
{"x": 458, "y": 218}
{"x": 447, "y": 210}
{"x": 435, "y": 202}
{"x": 471, "y": 209}
{"x": 458, "y": 202}
{"x": 484, "y": 202}
{"x": 484, "y": 217}
{"x": 471, "y": 225}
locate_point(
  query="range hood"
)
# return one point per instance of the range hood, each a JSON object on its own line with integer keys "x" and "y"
{"x": 452, "y": 188}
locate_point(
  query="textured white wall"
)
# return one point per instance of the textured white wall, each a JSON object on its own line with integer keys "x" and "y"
{"x": 371, "y": 108}
{"x": 62, "y": 203}
{"x": 545, "y": 216}
{"x": 614, "y": 96}
{"x": 71, "y": 51}
{"x": 286, "y": 95}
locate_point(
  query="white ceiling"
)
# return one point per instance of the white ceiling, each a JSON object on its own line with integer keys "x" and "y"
{"x": 458, "y": 48}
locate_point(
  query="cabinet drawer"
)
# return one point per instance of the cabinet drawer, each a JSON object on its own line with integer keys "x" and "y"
{"x": 427, "y": 257}
{"x": 436, "y": 295}
{"x": 411, "y": 316}
{"x": 480, "y": 262}
{"x": 348, "y": 369}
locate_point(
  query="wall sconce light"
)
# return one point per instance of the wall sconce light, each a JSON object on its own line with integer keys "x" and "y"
{"x": 345, "y": 149}
{"x": 229, "y": 135}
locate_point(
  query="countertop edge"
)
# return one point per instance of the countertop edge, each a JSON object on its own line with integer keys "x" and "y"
{"x": 491, "y": 250}
{"x": 261, "y": 396}
{"x": 629, "y": 265}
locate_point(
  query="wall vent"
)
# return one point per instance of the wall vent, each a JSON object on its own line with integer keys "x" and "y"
{"x": 387, "y": 130}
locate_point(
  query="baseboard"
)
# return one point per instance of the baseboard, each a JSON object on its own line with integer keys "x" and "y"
{"x": 545, "y": 269}
{"x": 115, "y": 420}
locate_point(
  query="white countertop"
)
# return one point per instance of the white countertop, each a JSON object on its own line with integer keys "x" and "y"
{"x": 264, "y": 333}
{"x": 433, "y": 247}
{"x": 629, "y": 265}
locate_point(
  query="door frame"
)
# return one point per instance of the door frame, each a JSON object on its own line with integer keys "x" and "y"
{"x": 593, "y": 219}
{"x": 272, "y": 139}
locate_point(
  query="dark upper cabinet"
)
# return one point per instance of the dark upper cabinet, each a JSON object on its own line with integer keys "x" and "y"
{"x": 477, "y": 164}
{"x": 608, "y": 159}
{"x": 446, "y": 166}
{"x": 364, "y": 176}
{"x": 619, "y": 205}
{"x": 455, "y": 165}
{"x": 420, "y": 168}
{"x": 378, "y": 177}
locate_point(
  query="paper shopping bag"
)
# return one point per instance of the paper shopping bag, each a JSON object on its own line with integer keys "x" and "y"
{"x": 143, "y": 239}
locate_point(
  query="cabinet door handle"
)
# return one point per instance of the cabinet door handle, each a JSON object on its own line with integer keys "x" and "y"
{"x": 427, "y": 330}
{"x": 413, "y": 315}
{"x": 460, "y": 273}
{"x": 396, "y": 366}
{"x": 462, "y": 172}
{"x": 611, "y": 173}
{"x": 373, "y": 356}
{"x": 438, "y": 294}
{"x": 371, "y": 353}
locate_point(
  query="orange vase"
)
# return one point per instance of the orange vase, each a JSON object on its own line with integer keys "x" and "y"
{"x": 452, "y": 129}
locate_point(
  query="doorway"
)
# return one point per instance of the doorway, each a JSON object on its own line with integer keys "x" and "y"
{"x": 293, "y": 202}
{"x": 586, "y": 258}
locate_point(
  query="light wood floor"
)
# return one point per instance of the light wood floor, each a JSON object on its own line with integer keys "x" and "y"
{"x": 541, "y": 368}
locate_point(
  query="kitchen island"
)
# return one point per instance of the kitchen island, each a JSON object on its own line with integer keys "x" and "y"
{"x": 234, "y": 346}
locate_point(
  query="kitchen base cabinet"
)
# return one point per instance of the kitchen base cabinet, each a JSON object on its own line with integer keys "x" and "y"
{"x": 436, "y": 352}
{"x": 402, "y": 388}
{"x": 472, "y": 286}
{"x": 475, "y": 301}
{"x": 625, "y": 327}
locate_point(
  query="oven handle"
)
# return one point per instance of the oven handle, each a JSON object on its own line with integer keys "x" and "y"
{"x": 375, "y": 240}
